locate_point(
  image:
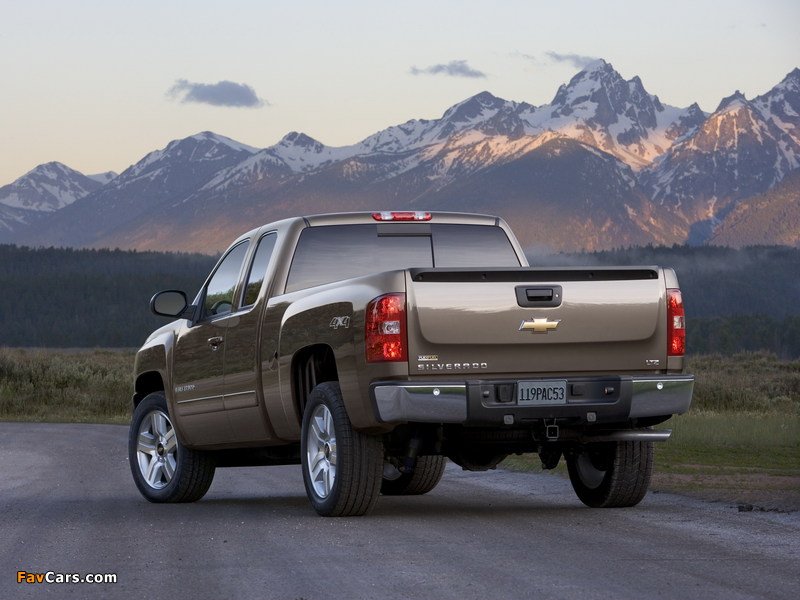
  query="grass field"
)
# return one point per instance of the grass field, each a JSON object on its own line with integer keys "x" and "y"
{"x": 66, "y": 386}
{"x": 740, "y": 442}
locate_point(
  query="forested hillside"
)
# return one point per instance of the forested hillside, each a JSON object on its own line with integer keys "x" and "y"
{"x": 746, "y": 299}
{"x": 57, "y": 297}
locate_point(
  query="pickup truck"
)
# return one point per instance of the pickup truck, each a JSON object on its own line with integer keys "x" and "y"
{"x": 371, "y": 347}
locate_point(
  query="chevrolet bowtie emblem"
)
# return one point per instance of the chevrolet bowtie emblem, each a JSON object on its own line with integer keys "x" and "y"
{"x": 538, "y": 325}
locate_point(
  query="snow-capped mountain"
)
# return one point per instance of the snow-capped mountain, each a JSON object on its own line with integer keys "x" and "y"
{"x": 160, "y": 178}
{"x": 182, "y": 165}
{"x": 48, "y": 187}
{"x": 45, "y": 189}
{"x": 600, "y": 108}
{"x": 744, "y": 148}
{"x": 604, "y": 164}
{"x": 596, "y": 107}
{"x": 103, "y": 178}
{"x": 781, "y": 105}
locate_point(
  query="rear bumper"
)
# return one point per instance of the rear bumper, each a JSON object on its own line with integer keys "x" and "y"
{"x": 494, "y": 402}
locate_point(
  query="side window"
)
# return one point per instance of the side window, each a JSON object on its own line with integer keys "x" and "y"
{"x": 219, "y": 292}
{"x": 258, "y": 269}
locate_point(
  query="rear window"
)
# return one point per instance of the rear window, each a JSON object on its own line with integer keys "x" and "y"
{"x": 337, "y": 252}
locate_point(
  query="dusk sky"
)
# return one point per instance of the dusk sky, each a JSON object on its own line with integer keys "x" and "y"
{"x": 96, "y": 84}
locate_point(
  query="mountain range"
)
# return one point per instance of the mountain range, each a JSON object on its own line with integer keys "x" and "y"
{"x": 604, "y": 165}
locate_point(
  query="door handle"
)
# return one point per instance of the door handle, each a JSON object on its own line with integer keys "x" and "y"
{"x": 215, "y": 342}
{"x": 546, "y": 296}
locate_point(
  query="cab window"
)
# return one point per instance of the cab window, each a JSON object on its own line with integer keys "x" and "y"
{"x": 219, "y": 291}
{"x": 258, "y": 269}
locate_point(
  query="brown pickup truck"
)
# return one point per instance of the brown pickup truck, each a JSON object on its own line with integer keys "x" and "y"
{"x": 371, "y": 347}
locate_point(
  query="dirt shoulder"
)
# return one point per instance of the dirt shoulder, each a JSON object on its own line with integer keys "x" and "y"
{"x": 748, "y": 489}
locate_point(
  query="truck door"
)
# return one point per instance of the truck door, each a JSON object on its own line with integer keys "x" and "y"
{"x": 242, "y": 347}
{"x": 199, "y": 355}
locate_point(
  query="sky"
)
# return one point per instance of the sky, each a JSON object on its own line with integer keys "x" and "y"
{"x": 97, "y": 84}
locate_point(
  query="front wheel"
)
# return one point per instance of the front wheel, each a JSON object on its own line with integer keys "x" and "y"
{"x": 342, "y": 467}
{"x": 611, "y": 474}
{"x": 163, "y": 469}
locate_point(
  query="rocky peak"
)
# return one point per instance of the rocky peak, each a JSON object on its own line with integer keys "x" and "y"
{"x": 301, "y": 141}
{"x": 732, "y": 102}
{"x": 48, "y": 187}
{"x": 473, "y": 108}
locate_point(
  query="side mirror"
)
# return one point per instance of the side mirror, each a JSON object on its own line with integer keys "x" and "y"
{"x": 169, "y": 303}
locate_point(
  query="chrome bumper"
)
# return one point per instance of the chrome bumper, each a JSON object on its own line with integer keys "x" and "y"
{"x": 446, "y": 403}
{"x": 475, "y": 402}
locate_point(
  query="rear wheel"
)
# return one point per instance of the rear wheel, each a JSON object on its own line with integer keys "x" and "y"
{"x": 427, "y": 473}
{"x": 611, "y": 474}
{"x": 163, "y": 469}
{"x": 342, "y": 467}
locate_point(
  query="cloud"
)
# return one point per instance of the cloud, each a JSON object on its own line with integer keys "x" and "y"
{"x": 223, "y": 93}
{"x": 455, "y": 68}
{"x": 529, "y": 57}
{"x": 576, "y": 60}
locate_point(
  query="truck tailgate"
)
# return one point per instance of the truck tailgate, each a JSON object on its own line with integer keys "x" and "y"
{"x": 537, "y": 321}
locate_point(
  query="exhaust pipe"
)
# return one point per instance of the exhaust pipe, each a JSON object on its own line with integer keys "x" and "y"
{"x": 627, "y": 435}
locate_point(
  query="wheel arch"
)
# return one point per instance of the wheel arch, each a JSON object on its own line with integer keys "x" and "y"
{"x": 311, "y": 366}
{"x": 146, "y": 383}
{"x": 151, "y": 373}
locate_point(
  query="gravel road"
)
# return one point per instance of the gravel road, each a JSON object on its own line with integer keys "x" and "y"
{"x": 69, "y": 508}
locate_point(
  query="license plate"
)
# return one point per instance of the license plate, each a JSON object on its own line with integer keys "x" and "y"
{"x": 541, "y": 393}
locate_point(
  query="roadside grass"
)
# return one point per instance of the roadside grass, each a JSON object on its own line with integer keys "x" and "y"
{"x": 752, "y": 382}
{"x": 741, "y": 440}
{"x": 60, "y": 386}
{"x": 742, "y": 458}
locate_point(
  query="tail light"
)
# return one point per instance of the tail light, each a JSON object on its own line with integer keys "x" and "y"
{"x": 385, "y": 329}
{"x": 676, "y": 324}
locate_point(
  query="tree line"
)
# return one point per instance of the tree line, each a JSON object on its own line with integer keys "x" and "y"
{"x": 63, "y": 298}
{"x": 736, "y": 299}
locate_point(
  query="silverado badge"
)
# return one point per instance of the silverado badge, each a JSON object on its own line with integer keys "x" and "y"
{"x": 538, "y": 325}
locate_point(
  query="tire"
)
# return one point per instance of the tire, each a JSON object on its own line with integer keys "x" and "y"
{"x": 163, "y": 469}
{"x": 426, "y": 475}
{"x": 611, "y": 474}
{"x": 342, "y": 467}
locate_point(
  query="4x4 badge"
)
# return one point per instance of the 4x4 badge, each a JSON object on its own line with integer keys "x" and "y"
{"x": 538, "y": 325}
{"x": 337, "y": 322}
